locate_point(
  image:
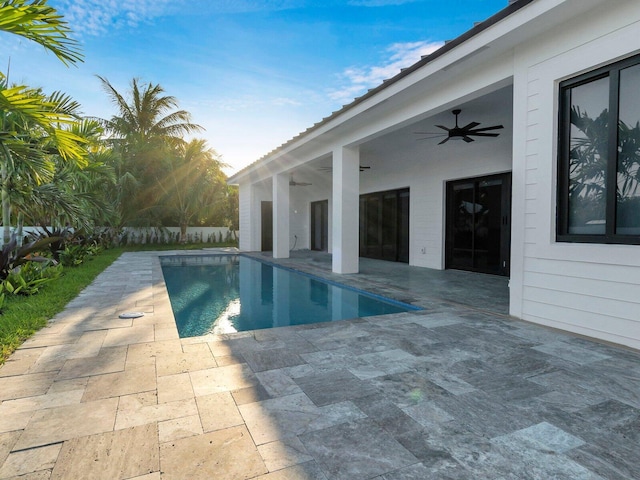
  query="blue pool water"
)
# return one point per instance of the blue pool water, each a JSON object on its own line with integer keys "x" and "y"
{"x": 234, "y": 293}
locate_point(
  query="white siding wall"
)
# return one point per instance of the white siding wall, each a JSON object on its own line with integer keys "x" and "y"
{"x": 426, "y": 179}
{"x": 301, "y": 198}
{"x": 585, "y": 288}
{"x": 249, "y": 199}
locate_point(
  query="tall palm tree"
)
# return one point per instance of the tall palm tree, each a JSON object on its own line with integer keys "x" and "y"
{"x": 193, "y": 185}
{"x": 144, "y": 132}
{"x": 33, "y": 126}
{"x": 39, "y": 22}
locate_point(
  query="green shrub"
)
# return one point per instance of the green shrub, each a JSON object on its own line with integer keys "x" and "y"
{"x": 29, "y": 277}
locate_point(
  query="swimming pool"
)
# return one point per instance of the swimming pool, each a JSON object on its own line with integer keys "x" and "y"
{"x": 235, "y": 293}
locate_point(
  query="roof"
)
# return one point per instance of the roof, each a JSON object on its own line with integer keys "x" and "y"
{"x": 512, "y": 7}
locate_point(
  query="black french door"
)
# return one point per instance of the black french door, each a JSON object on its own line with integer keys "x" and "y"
{"x": 320, "y": 225}
{"x": 384, "y": 225}
{"x": 266, "y": 219}
{"x": 478, "y": 232}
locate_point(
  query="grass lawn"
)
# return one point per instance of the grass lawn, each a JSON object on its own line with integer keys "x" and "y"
{"x": 22, "y": 316}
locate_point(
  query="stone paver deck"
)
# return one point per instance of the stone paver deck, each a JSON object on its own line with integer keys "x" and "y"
{"x": 455, "y": 391}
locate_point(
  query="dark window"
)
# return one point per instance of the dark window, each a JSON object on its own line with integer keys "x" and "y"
{"x": 599, "y": 161}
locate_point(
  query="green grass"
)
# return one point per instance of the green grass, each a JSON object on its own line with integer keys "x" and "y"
{"x": 22, "y": 316}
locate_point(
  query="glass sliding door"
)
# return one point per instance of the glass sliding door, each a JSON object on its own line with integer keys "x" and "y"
{"x": 320, "y": 225}
{"x": 478, "y": 233}
{"x": 266, "y": 219}
{"x": 384, "y": 225}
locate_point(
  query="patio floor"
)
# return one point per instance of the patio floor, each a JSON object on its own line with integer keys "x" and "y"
{"x": 456, "y": 391}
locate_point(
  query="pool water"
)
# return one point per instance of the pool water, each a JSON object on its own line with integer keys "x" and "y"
{"x": 234, "y": 293}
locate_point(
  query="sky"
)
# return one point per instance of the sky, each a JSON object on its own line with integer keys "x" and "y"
{"x": 252, "y": 73}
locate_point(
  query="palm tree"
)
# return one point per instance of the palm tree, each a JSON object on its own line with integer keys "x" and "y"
{"x": 194, "y": 183}
{"x": 75, "y": 195}
{"x": 42, "y": 24}
{"x": 144, "y": 132}
{"x": 34, "y": 126}
{"x": 20, "y": 105}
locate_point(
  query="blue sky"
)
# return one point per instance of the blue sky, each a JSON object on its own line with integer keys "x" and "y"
{"x": 254, "y": 73}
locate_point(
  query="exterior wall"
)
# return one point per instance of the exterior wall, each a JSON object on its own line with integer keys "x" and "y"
{"x": 591, "y": 289}
{"x": 252, "y": 199}
{"x": 301, "y": 198}
{"x": 426, "y": 179}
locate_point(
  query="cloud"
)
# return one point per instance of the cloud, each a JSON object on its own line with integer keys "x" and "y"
{"x": 251, "y": 102}
{"x": 96, "y": 17}
{"x": 356, "y": 80}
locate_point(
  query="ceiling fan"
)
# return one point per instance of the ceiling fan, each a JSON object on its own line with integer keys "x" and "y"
{"x": 293, "y": 183}
{"x": 330, "y": 169}
{"x": 465, "y": 133}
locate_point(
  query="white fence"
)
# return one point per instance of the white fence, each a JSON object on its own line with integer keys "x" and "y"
{"x": 139, "y": 235}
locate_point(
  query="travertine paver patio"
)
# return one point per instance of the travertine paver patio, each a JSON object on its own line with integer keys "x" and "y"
{"x": 456, "y": 391}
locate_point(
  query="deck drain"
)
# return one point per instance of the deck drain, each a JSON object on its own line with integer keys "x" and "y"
{"x": 131, "y": 315}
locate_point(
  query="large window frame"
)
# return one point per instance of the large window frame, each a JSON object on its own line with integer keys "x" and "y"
{"x": 610, "y": 236}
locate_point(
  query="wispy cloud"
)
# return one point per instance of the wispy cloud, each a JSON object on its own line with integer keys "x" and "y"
{"x": 356, "y": 80}
{"x": 251, "y": 102}
{"x": 95, "y": 17}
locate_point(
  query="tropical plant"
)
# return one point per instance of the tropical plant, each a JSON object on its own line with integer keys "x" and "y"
{"x": 41, "y": 23}
{"x": 144, "y": 133}
{"x": 30, "y": 122}
{"x": 33, "y": 126}
{"x": 12, "y": 255}
{"x": 193, "y": 184}
{"x": 29, "y": 278}
{"x": 75, "y": 195}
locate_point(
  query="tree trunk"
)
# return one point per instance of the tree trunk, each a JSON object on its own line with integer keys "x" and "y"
{"x": 183, "y": 233}
{"x": 6, "y": 204}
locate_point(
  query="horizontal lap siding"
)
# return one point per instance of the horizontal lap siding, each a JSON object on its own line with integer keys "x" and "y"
{"x": 593, "y": 290}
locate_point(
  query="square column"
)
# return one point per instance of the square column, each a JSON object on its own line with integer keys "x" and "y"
{"x": 281, "y": 215}
{"x": 249, "y": 216}
{"x": 346, "y": 210}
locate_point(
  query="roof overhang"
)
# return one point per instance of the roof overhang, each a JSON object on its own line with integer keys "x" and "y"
{"x": 516, "y": 24}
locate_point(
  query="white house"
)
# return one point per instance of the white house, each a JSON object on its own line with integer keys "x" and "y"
{"x": 553, "y": 201}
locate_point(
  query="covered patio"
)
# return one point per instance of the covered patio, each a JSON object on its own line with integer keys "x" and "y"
{"x": 415, "y": 285}
{"x": 458, "y": 390}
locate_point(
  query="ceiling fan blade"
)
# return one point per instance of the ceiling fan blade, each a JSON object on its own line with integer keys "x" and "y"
{"x": 443, "y": 127}
{"x": 470, "y": 126}
{"x": 484, "y": 134}
{"x": 444, "y": 141}
{"x": 468, "y": 139}
{"x": 429, "y": 133}
{"x": 484, "y": 129}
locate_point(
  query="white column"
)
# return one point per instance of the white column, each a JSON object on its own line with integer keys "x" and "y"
{"x": 346, "y": 206}
{"x": 248, "y": 217}
{"x": 281, "y": 298}
{"x": 281, "y": 215}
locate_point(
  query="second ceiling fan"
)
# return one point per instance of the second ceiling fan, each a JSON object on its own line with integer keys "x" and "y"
{"x": 465, "y": 133}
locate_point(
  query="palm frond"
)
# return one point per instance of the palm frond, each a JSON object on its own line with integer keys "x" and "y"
{"x": 41, "y": 23}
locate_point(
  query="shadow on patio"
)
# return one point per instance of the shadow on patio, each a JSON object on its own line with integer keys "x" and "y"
{"x": 458, "y": 390}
